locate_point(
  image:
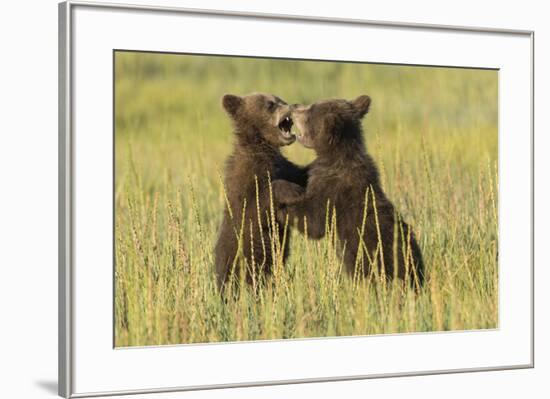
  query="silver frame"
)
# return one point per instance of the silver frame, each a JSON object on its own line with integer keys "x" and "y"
{"x": 66, "y": 190}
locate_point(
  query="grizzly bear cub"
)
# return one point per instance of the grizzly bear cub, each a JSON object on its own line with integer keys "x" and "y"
{"x": 341, "y": 180}
{"x": 262, "y": 124}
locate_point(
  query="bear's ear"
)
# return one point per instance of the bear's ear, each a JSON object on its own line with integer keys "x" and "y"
{"x": 362, "y": 105}
{"x": 231, "y": 103}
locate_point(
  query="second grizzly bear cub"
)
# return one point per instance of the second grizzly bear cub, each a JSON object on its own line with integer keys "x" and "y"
{"x": 262, "y": 125}
{"x": 344, "y": 178}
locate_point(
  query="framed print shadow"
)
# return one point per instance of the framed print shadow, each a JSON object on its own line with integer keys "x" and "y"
{"x": 236, "y": 210}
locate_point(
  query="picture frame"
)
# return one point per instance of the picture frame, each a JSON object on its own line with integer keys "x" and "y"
{"x": 83, "y": 352}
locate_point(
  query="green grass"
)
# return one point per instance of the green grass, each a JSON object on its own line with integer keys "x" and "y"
{"x": 433, "y": 134}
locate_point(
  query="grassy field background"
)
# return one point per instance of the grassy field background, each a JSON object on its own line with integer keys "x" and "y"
{"x": 433, "y": 134}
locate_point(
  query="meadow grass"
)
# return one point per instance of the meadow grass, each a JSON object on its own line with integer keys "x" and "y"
{"x": 433, "y": 134}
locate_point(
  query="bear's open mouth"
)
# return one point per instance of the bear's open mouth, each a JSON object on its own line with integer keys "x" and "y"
{"x": 285, "y": 126}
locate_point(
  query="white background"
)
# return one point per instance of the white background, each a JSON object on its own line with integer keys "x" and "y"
{"x": 28, "y": 200}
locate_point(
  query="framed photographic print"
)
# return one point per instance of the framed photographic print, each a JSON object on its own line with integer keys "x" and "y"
{"x": 253, "y": 199}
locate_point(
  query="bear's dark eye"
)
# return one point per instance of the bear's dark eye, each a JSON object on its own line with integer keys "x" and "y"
{"x": 271, "y": 105}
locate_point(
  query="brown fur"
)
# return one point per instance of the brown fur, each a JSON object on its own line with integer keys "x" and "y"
{"x": 341, "y": 175}
{"x": 256, "y": 157}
